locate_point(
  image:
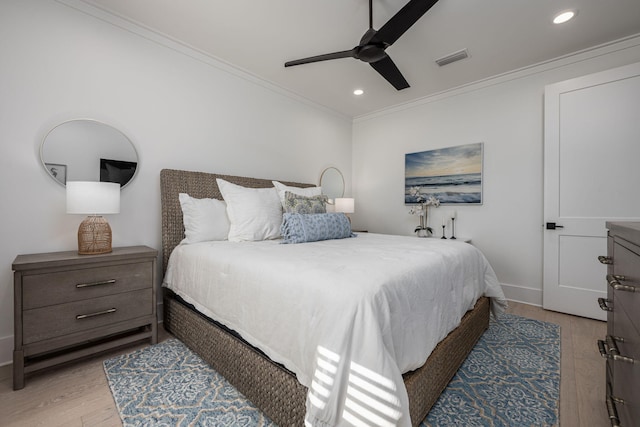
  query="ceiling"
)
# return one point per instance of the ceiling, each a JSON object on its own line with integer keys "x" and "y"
{"x": 258, "y": 37}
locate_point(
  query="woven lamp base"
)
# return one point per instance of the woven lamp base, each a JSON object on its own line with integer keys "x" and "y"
{"x": 94, "y": 236}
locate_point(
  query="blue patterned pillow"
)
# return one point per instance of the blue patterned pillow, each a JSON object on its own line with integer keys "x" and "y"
{"x": 301, "y": 228}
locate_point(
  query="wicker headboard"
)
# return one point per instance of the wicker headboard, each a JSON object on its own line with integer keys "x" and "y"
{"x": 199, "y": 185}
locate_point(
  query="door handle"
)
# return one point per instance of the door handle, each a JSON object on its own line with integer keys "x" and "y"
{"x": 553, "y": 226}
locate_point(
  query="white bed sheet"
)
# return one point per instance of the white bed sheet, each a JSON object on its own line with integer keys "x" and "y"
{"x": 348, "y": 316}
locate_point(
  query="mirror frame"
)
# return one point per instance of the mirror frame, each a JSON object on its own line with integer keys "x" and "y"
{"x": 44, "y": 139}
{"x": 322, "y": 175}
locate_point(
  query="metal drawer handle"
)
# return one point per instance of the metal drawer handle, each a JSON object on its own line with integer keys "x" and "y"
{"x": 613, "y": 412}
{"x": 605, "y": 259}
{"x": 609, "y": 350}
{"x": 604, "y": 304}
{"x": 99, "y": 313}
{"x": 614, "y": 282}
{"x": 102, "y": 282}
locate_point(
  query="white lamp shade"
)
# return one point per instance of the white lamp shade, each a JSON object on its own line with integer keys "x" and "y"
{"x": 91, "y": 197}
{"x": 345, "y": 205}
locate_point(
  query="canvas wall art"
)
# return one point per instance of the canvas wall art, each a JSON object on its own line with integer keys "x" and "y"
{"x": 453, "y": 175}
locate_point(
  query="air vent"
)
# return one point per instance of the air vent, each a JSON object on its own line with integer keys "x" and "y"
{"x": 455, "y": 56}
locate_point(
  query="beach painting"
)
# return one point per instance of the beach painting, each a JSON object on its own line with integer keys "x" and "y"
{"x": 452, "y": 175}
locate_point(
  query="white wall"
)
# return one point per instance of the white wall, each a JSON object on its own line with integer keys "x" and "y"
{"x": 185, "y": 111}
{"x": 506, "y": 113}
{"x": 179, "y": 109}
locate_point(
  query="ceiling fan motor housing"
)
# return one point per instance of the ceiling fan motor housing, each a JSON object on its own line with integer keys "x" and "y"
{"x": 370, "y": 53}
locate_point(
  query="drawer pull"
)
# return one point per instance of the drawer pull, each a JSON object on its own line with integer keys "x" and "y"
{"x": 609, "y": 350}
{"x": 604, "y": 304}
{"x": 98, "y": 313}
{"x": 614, "y": 282}
{"x": 102, "y": 282}
{"x": 605, "y": 259}
{"x": 613, "y": 412}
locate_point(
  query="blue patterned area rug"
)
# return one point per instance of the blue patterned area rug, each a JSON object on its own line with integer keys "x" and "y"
{"x": 511, "y": 378}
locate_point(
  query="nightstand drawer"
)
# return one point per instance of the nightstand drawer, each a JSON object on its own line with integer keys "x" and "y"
{"x": 41, "y": 290}
{"x": 63, "y": 319}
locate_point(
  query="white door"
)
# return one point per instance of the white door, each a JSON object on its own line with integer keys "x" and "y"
{"x": 591, "y": 175}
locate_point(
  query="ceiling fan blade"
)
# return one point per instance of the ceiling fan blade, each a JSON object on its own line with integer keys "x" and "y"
{"x": 389, "y": 71}
{"x": 402, "y": 21}
{"x": 335, "y": 55}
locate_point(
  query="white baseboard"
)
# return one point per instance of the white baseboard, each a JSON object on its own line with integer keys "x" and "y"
{"x": 6, "y": 350}
{"x": 522, "y": 294}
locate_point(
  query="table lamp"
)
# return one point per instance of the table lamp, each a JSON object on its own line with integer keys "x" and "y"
{"x": 94, "y": 199}
{"x": 345, "y": 205}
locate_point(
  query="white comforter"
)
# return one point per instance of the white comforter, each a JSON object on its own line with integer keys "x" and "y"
{"x": 348, "y": 316}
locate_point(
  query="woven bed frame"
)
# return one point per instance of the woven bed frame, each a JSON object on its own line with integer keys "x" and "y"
{"x": 271, "y": 387}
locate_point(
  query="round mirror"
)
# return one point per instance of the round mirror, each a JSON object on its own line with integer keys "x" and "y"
{"x": 88, "y": 150}
{"x": 332, "y": 183}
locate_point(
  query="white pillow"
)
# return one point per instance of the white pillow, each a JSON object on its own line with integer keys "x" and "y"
{"x": 307, "y": 192}
{"x": 204, "y": 219}
{"x": 254, "y": 213}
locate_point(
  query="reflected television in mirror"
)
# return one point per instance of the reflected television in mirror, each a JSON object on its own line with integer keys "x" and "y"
{"x": 119, "y": 171}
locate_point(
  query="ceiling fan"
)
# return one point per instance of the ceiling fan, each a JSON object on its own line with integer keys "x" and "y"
{"x": 373, "y": 43}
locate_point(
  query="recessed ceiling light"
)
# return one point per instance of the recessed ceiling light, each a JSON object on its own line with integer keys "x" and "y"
{"x": 563, "y": 17}
{"x": 358, "y": 92}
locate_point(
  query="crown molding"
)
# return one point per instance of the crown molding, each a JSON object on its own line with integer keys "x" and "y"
{"x": 555, "y": 63}
{"x": 89, "y": 8}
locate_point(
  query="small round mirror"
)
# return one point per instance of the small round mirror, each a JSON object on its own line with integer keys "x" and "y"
{"x": 332, "y": 183}
{"x": 88, "y": 150}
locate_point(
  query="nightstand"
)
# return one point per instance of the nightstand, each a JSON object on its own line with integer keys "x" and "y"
{"x": 457, "y": 239}
{"x": 68, "y": 306}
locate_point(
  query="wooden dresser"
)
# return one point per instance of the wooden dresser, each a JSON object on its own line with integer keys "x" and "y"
{"x": 68, "y": 306}
{"x": 621, "y": 347}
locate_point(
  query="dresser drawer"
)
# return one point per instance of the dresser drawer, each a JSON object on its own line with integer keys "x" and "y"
{"x": 41, "y": 290}
{"x": 629, "y": 411}
{"x": 59, "y": 320}
{"x": 627, "y": 264}
{"x": 626, "y": 375}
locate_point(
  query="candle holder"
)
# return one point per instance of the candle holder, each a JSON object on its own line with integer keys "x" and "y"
{"x": 443, "y": 236}
{"x": 453, "y": 229}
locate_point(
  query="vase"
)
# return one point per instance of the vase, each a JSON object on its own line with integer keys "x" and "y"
{"x": 422, "y": 230}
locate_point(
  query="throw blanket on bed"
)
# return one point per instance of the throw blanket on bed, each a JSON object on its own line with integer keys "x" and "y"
{"x": 346, "y": 316}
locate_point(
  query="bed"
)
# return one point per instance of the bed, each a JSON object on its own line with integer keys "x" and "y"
{"x": 271, "y": 382}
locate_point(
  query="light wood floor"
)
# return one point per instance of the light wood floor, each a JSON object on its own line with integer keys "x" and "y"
{"x": 582, "y": 369}
{"x": 77, "y": 394}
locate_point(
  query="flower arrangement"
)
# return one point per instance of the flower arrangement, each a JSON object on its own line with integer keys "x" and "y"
{"x": 422, "y": 230}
